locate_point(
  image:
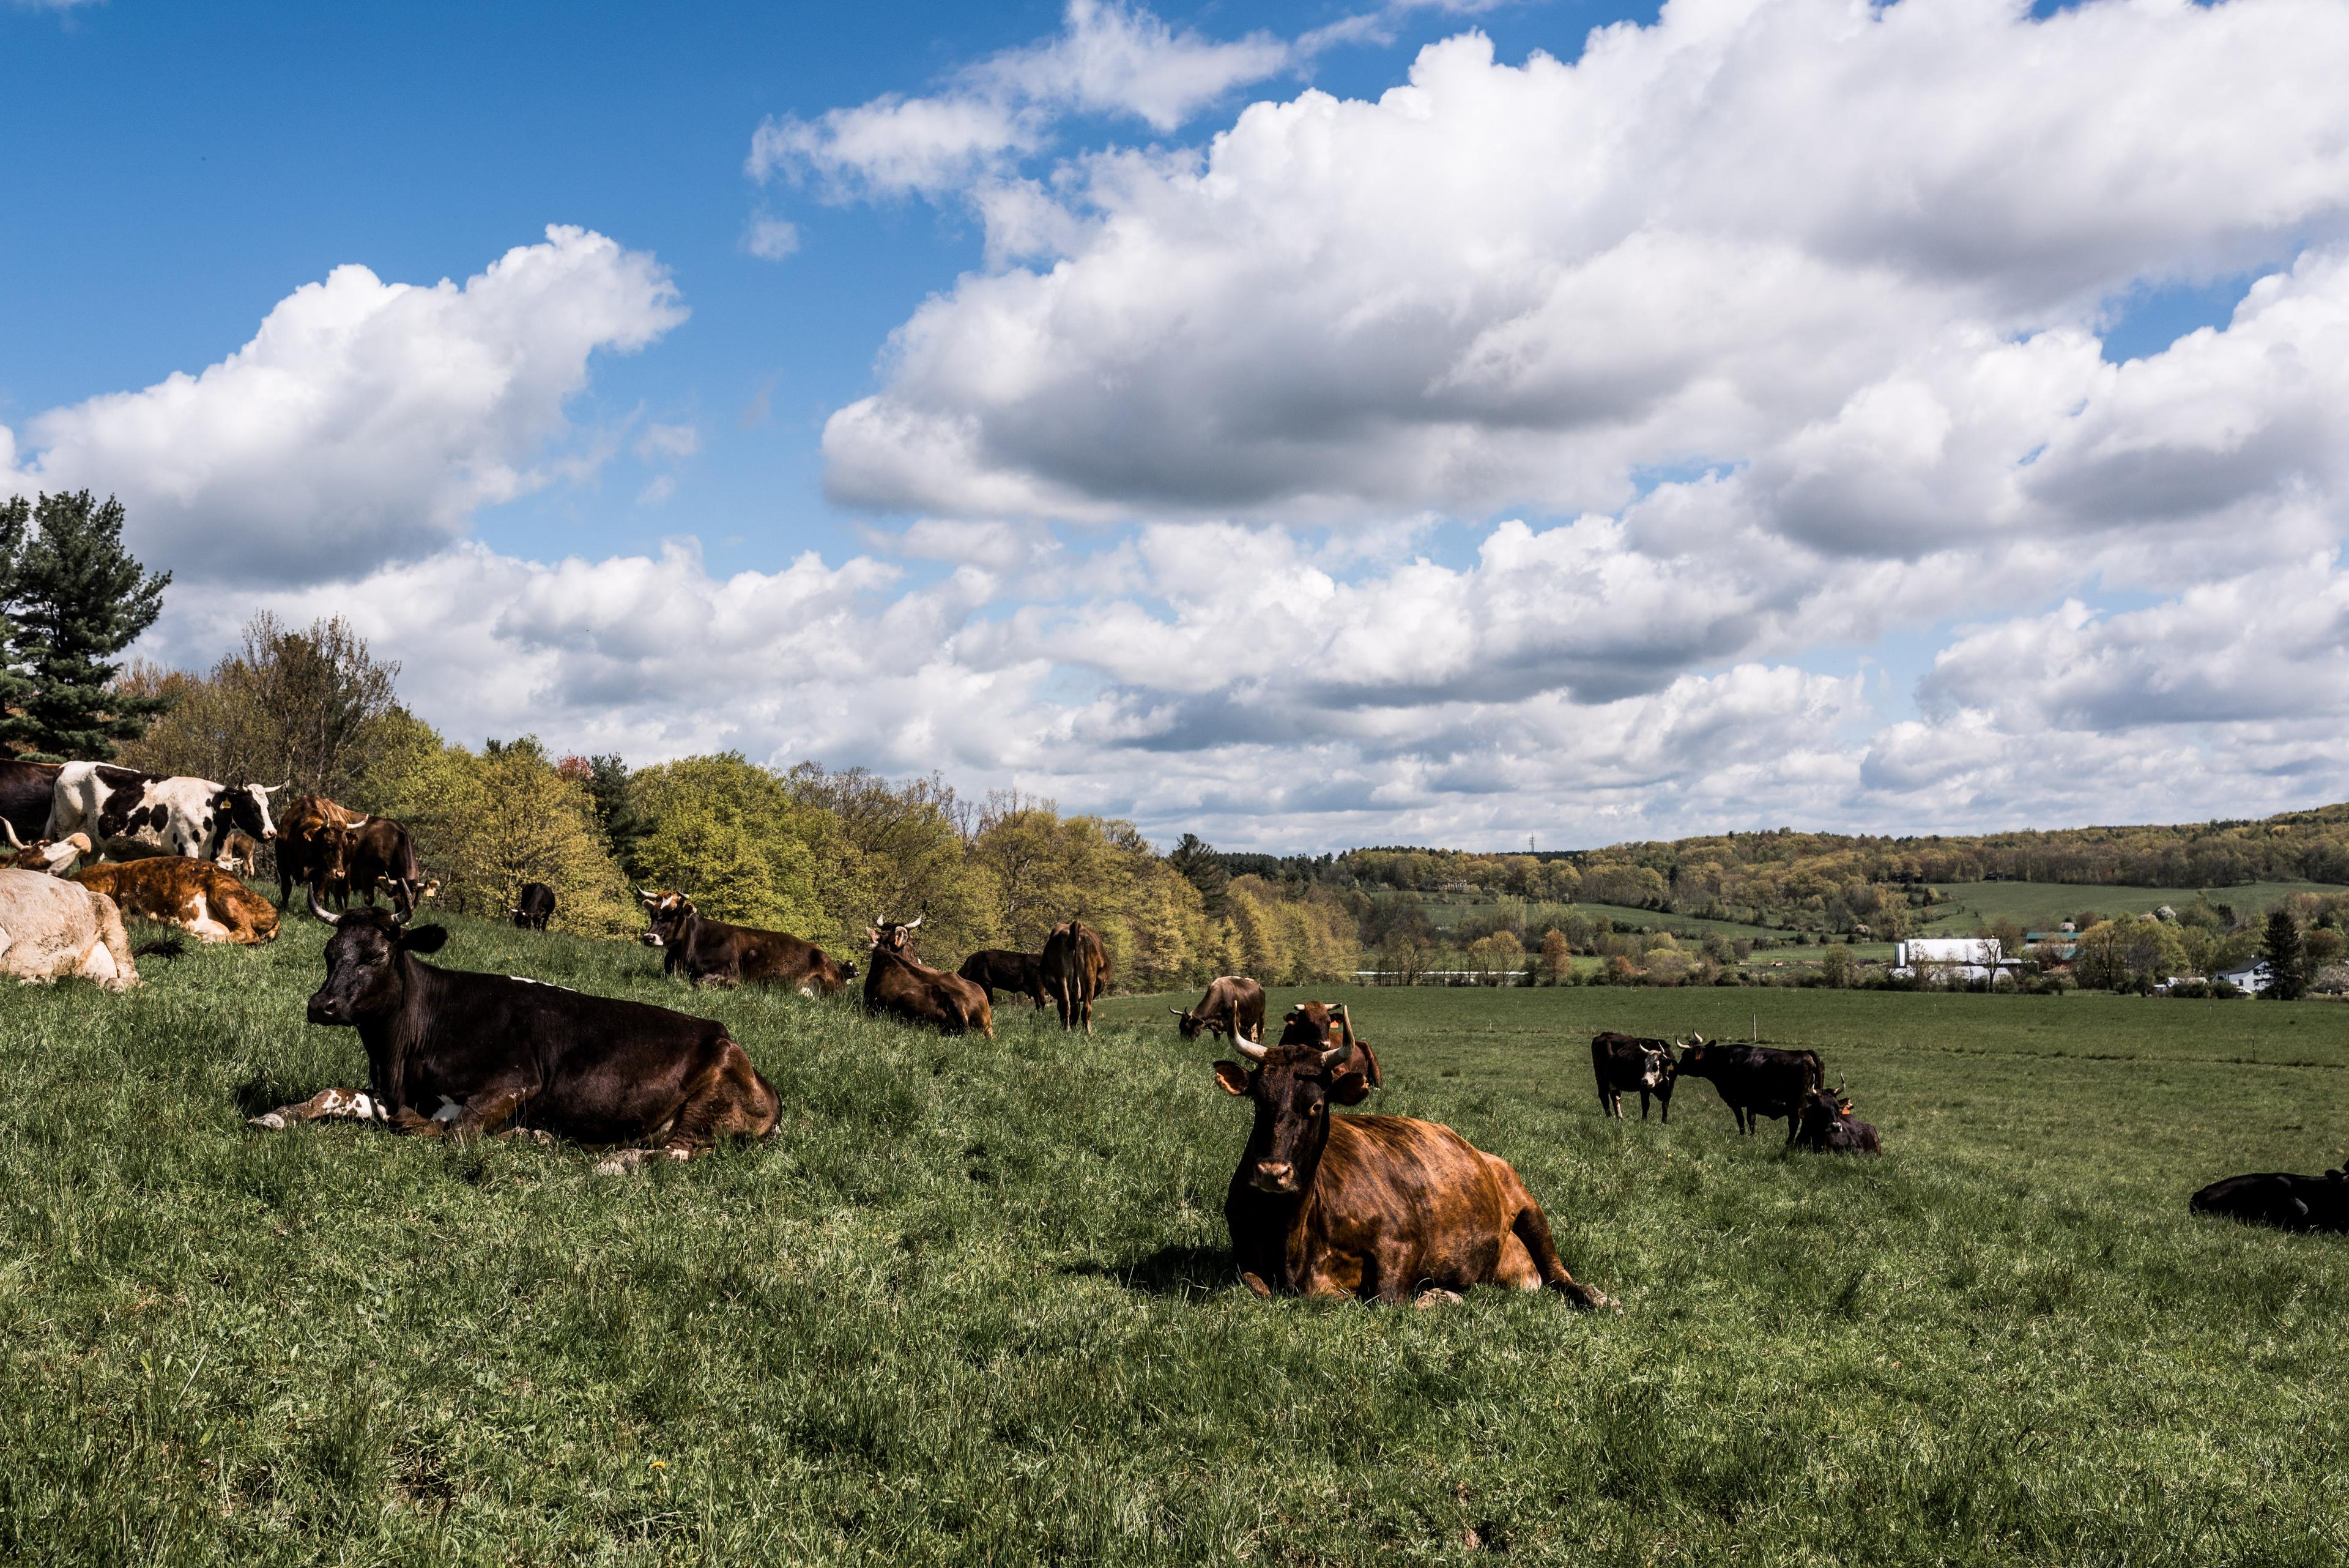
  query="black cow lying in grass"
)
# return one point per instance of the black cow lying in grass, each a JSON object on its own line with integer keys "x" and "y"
{"x": 457, "y": 1054}
{"x": 1828, "y": 1126}
{"x": 1756, "y": 1081}
{"x": 2278, "y": 1199}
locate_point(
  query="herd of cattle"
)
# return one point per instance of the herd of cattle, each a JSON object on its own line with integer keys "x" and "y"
{"x": 1392, "y": 1208}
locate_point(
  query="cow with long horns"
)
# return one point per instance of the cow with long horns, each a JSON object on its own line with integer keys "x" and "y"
{"x": 1377, "y": 1207}
{"x": 457, "y": 1054}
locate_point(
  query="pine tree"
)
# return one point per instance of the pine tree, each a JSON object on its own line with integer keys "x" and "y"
{"x": 78, "y": 599}
{"x": 15, "y": 689}
{"x": 2287, "y": 957}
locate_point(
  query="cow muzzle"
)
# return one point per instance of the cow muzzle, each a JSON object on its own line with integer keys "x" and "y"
{"x": 650, "y": 940}
{"x": 1274, "y": 1176}
{"x": 327, "y": 1010}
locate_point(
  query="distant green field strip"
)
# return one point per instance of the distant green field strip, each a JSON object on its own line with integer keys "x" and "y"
{"x": 1966, "y": 905}
{"x": 1445, "y": 914}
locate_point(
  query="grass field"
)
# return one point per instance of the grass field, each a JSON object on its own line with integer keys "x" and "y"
{"x": 972, "y": 1304}
{"x": 2041, "y": 906}
{"x": 1445, "y": 912}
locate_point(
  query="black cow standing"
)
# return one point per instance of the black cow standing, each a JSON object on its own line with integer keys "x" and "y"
{"x": 534, "y": 906}
{"x": 2279, "y": 1199}
{"x": 1624, "y": 1063}
{"x": 464, "y": 1055}
{"x": 1756, "y": 1081}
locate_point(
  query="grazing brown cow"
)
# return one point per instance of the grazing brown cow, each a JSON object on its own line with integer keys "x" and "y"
{"x": 456, "y": 1052}
{"x": 898, "y": 984}
{"x": 711, "y": 950}
{"x": 54, "y": 856}
{"x": 314, "y": 848}
{"x": 997, "y": 969}
{"x": 1378, "y": 1207}
{"x": 196, "y": 895}
{"x": 1234, "y": 1005}
{"x": 1076, "y": 970}
{"x": 1310, "y": 1022}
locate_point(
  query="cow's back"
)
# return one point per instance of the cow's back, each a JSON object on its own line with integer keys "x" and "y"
{"x": 51, "y": 929}
{"x": 27, "y": 791}
{"x": 1413, "y": 1192}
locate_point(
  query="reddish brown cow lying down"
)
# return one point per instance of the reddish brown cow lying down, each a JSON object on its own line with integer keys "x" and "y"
{"x": 196, "y": 895}
{"x": 1381, "y": 1207}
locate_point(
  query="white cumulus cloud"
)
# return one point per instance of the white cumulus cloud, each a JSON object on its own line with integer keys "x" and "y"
{"x": 366, "y": 422}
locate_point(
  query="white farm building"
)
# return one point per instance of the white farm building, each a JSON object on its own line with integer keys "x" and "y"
{"x": 1949, "y": 958}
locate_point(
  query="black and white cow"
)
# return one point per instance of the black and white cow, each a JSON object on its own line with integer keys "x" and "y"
{"x": 128, "y": 813}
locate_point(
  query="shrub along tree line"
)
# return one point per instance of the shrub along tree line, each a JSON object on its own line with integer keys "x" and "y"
{"x": 807, "y": 850}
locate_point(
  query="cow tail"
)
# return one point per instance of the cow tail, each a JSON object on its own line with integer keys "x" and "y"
{"x": 161, "y": 948}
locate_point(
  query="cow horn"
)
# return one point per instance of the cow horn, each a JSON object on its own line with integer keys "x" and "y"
{"x": 1336, "y": 1054}
{"x": 1178, "y": 1012}
{"x": 11, "y": 827}
{"x": 1253, "y": 1052}
{"x": 319, "y": 910}
{"x": 917, "y": 920}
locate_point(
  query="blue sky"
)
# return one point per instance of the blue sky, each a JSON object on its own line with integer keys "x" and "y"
{"x": 1927, "y": 424}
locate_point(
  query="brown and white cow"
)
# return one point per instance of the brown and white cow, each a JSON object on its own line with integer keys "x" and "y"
{"x": 1378, "y": 1207}
{"x": 56, "y": 858}
{"x": 1234, "y": 1006}
{"x": 52, "y": 929}
{"x": 1076, "y": 970}
{"x": 898, "y": 984}
{"x": 128, "y": 813}
{"x": 712, "y": 951}
{"x": 196, "y": 895}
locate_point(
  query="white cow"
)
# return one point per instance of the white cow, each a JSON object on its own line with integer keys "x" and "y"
{"x": 50, "y": 928}
{"x": 128, "y": 814}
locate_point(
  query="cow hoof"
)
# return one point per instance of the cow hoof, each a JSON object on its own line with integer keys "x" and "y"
{"x": 271, "y": 1122}
{"x": 1434, "y": 1298}
{"x": 1590, "y": 1300}
{"x": 1256, "y": 1284}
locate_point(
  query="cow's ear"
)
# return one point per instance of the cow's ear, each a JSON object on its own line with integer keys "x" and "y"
{"x": 1231, "y": 1077}
{"x": 424, "y": 940}
{"x": 1350, "y": 1089}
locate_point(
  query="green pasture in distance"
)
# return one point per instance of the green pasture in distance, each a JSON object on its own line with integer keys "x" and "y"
{"x": 1445, "y": 912}
{"x": 2041, "y": 906}
{"x": 973, "y": 1303}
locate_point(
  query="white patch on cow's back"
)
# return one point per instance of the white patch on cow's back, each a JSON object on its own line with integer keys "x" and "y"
{"x": 548, "y": 984}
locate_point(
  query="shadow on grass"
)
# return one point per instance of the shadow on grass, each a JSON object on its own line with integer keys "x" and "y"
{"x": 1169, "y": 1271}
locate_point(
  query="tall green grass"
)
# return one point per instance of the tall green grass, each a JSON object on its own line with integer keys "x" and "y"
{"x": 972, "y": 1304}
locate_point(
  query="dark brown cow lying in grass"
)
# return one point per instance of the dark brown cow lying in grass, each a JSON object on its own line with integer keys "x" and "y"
{"x": 1828, "y": 1126}
{"x": 1234, "y": 1007}
{"x": 707, "y": 950}
{"x": 2279, "y": 1199}
{"x": 466, "y": 1054}
{"x": 1381, "y": 1207}
{"x": 896, "y": 983}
